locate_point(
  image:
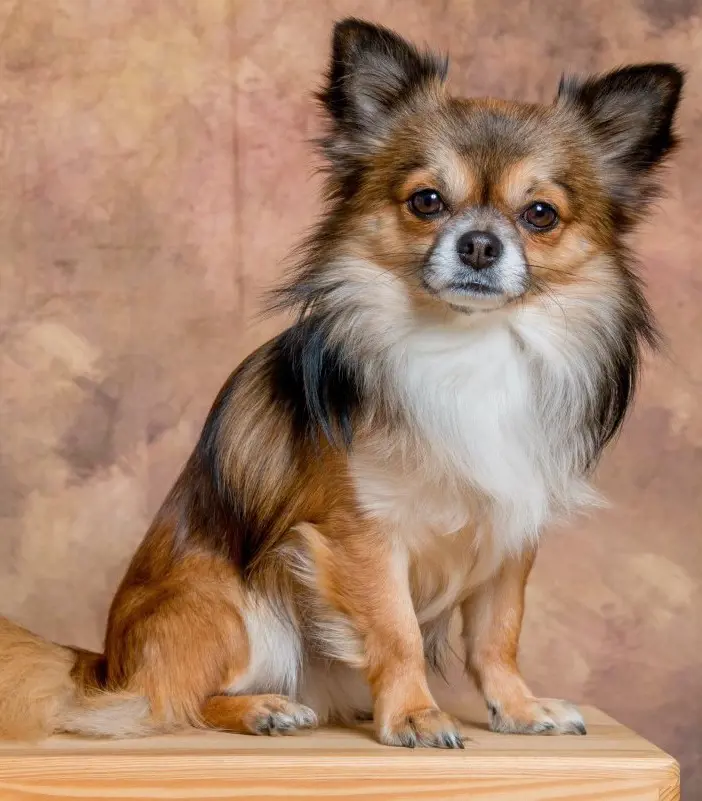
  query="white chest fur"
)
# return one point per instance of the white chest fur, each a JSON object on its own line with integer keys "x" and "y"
{"x": 479, "y": 452}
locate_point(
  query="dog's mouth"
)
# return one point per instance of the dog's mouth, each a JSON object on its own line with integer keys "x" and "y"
{"x": 471, "y": 288}
{"x": 468, "y": 296}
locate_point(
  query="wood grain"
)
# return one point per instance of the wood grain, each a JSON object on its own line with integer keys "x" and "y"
{"x": 611, "y": 762}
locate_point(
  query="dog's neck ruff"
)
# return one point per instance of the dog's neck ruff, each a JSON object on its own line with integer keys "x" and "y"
{"x": 506, "y": 405}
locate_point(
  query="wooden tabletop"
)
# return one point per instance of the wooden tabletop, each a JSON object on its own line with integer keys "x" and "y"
{"x": 611, "y": 762}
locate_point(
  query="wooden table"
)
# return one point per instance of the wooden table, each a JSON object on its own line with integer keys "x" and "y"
{"x": 611, "y": 762}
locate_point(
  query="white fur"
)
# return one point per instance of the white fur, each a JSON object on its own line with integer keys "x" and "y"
{"x": 509, "y": 275}
{"x": 335, "y": 690}
{"x": 494, "y": 403}
{"x": 275, "y": 651}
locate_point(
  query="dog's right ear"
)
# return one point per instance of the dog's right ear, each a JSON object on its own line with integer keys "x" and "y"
{"x": 372, "y": 71}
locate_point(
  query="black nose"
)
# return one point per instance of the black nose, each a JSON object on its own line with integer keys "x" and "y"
{"x": 479, "y": 249}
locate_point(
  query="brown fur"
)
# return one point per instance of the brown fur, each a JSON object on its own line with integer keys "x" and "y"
{"x": 45, "y": 688}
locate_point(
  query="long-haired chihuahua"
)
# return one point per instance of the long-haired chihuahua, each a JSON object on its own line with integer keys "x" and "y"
{"x": 466, "y": 342}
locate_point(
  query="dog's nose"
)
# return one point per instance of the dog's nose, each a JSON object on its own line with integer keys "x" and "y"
{"x": 479, "y": 249}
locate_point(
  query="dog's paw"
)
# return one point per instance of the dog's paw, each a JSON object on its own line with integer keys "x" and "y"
{"x": 428, "y": 728}
{"x": 536, "y": 716}
{"x": 277, "y": 715}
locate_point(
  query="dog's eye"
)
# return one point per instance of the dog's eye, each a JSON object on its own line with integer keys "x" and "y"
{"x": 540, "y": 216}
{"x": 426, "y": 203}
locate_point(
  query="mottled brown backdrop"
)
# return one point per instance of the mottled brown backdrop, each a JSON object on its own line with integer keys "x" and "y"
{"x": 155, "y": 173}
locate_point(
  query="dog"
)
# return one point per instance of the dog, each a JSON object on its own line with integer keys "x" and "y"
{"x": 467, "y": 337}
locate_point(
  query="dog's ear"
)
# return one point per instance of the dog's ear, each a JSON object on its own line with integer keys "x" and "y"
{"x": 372, "y": 71}
{"x": 631, "y": 112}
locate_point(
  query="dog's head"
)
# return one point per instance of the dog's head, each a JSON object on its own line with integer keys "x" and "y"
{"x": 478, "y": 202}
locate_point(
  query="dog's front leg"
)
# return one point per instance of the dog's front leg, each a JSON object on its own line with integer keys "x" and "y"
{"x": 363, "y": 578}
{"x": 492, "y": 622}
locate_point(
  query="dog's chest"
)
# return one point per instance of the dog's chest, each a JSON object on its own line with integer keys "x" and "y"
{"x": 472, "y": 430}
{"x": 478, "y": 465}
{"x": 447, "y": 540}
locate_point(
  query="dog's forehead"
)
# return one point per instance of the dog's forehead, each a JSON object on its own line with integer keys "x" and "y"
{"x": 495, "y": 133}
{"x": 484, "y": 142}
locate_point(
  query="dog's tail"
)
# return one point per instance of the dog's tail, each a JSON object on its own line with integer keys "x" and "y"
{"x": 46, "y": 688}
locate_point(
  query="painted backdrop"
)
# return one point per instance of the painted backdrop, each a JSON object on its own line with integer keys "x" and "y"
{"x": 154, "y": 175}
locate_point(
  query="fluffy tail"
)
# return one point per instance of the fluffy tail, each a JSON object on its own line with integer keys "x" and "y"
{"x": 46, "y": 688}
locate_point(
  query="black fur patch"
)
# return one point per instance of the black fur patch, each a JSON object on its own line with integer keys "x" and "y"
{"x": 621, "y": 371}
{"x": 215, "y": 513}
{"x": 316, "y": 382}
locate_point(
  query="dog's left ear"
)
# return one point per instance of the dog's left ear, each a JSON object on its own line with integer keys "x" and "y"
{"x": 372, "y": 71}
{"x": 631, "y": 113}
